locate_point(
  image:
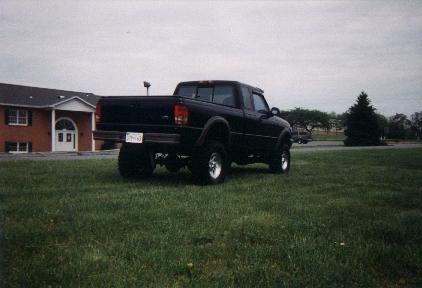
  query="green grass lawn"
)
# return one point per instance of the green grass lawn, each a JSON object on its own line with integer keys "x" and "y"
{"x": 340, "y": 219}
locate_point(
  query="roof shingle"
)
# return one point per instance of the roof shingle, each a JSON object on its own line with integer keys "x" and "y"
{"x": 39, "y": 97}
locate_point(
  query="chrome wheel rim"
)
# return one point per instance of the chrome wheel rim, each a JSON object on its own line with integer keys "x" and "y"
{"x": 215, "y": 165}
{"x": 284, "y": 160}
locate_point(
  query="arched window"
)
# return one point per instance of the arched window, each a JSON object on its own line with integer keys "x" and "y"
{"x": 64, "y": 124}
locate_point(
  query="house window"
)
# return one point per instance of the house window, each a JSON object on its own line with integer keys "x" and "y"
{"x": 18, "y": 147}
{"x": 18, "y": 117}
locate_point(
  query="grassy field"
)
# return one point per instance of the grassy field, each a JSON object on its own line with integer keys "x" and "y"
{"x": 340, "y": 219}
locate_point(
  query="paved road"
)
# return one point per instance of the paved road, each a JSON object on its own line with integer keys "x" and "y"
{"x": 40, "y": 156}
{"x": 112, "y": 154}
{"x": 318, "y": 143}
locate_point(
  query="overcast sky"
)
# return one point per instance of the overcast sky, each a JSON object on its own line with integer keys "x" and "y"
{"x": 303, "y": 54}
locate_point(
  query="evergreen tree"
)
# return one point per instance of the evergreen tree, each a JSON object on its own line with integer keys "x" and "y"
{"x": 362, "y": 124}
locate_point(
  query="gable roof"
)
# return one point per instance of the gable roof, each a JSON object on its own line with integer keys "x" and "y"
{"x": 27, "y": 96}
{"x": 74, "y": 98}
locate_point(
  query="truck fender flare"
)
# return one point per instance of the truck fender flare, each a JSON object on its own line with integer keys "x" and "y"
{"x": 285, "y": 136}
{"x": 216, "y": 120}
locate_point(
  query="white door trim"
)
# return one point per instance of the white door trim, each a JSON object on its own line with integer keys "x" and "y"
{"x": 75, "y": 131}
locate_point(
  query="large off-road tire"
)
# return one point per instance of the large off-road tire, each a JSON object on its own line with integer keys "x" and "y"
{"x": 280, "y": 160}
{"x": 135, "y": 161}
{"x": 210, "y": 164}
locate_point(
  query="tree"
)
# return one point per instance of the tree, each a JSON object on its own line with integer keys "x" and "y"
{"x": 342, "y": 119}
{"x": 338, "y": 120}
{"x": 398, "y": 126}
{"x": 416, "y": 122}
{"x": 309, "y": 119}
{"x": 361, "y": 123}
{"x": 382, "y": 125}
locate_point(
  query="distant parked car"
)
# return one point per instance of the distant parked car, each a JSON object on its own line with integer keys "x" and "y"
{"x": 301, "y": 137}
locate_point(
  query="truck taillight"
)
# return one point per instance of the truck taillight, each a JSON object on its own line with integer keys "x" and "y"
{"x": 98, "y": 113}
{"x": 181, "y": 114}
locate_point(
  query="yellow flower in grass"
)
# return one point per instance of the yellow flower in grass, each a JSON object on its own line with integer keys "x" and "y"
{"x": 190, "y": 265}
{"x": 342, "y": 244}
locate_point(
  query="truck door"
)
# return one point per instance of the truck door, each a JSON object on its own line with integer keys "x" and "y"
{"x": 222, "y": 100}
{"x": 259, "y": 132}
{"x": 225, "y": 95}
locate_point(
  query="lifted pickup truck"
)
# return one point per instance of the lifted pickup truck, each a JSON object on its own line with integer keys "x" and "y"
{"x": 205, "y": 125}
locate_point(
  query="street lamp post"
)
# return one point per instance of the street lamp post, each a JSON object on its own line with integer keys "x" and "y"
{"x": 147, "y": 85}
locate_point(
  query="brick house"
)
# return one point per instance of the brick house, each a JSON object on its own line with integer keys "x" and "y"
{"x": 36, "y": 119}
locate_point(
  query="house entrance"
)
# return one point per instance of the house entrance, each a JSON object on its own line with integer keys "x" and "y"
{"x": 66, "y": 135}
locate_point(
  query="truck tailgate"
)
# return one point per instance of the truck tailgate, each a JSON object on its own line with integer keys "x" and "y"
{"x": 144, "y": 110}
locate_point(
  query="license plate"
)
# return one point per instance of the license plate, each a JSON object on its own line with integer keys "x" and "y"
{"x": 132, "y": 137}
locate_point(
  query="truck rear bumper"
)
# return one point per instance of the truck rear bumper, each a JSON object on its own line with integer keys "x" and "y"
{"x": 149, "y": 138}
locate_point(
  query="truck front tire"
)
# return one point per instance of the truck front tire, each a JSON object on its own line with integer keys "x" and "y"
{"x": 210, "y": 164}
{"x": 135, "y": 161}
{"x": 280, "y": 160}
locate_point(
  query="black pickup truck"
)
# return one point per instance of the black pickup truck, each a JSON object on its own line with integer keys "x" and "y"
{"x": 205, "y": 125}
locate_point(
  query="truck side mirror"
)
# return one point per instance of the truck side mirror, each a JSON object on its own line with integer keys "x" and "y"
{"x": 275, "y": 111}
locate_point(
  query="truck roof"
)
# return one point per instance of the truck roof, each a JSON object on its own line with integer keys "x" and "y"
{"x": 254, "y": 89}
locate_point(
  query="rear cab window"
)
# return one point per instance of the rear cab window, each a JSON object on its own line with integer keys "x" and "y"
{"x": 204, "y": 93}
{"x": 187, "y": 91}
{"x": 223, "y": 94}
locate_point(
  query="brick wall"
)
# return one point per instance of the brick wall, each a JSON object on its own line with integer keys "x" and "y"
{"x": 37, "y": 133}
